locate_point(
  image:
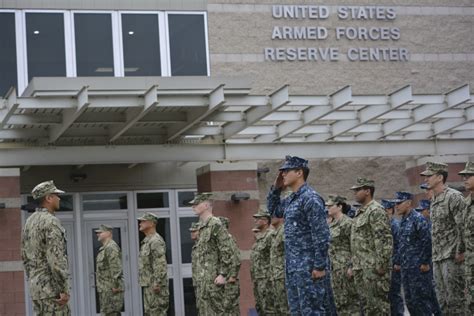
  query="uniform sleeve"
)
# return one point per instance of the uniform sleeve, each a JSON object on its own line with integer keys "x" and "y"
{"x": 320, "y": 234}
{"x": 275, "y": 205}
{"x": 115, "y": 266}
{"x": 158, "y": 264}
{"x": 382, "y": 236}
{"x": 424, "y": 235}
{"x": 235, "y": 262}
{"x": 396, "y": 259}
{"x": 24, "y": 257}
{"x": 56, "y": 256}
{"x": 457, "y": 206}
{"x": 225, "y": 252}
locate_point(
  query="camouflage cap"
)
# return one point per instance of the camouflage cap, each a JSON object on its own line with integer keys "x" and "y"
{"x": 424, "y": 186}
{"x": 200, "y": 197}
{"x": 45, "y": 188}
{"x": 402, "y": 197}
{"x": 194, "y": 227}
{"x": 262, "y": 213}
{"x": 293, "y": 162}
{"x": 148, "y": 217}
{"x": 225, "y": 221}
{"x": 104, "y": 228}
{"x": 363, "y": 182}
{"x": 387, "y": 203}
{"x": 335, "y": 199}
{"x": 423, "y": 205}
{"x": 469, "y": 169}
{"x": 434, "y": 168}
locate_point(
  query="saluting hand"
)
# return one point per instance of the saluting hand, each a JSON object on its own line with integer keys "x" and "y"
{"x": 278, "y": 183}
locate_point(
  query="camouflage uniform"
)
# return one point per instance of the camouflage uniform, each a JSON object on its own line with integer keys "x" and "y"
{"x": 371, "y": 248}
{"x": 260, "y": 269}
{"x": 109, "y": 275}
{"x": 214, "y": 257}
{"x": 277, "y": 273}
{"x": 469, "y": 242}
{"x": 43, "y": 250}
{"x": 447, "y": 240}
{"x": 306, "y": 246}
{"x": 345, "y": 293}
{"x": 153, "y": 272}
{"x": 232, "y": 289}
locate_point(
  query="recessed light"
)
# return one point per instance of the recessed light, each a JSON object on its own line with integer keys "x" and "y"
{"x": 131, "y": 32}
{"x": 36, "y": 32}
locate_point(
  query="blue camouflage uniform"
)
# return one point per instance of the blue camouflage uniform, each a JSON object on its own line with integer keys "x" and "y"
{"x": 397, "y": 306}
{"x": 415, "y": 250}
{"x": 306, "y": 246}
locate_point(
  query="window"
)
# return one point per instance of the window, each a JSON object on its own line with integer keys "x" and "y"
{"x": 8, "y": 77}
{"x": 187, "y": 38}
{"x": 186, "y": 241}
{"x": 152, "y": 200}
{"x": 184, "y": 197}
{"x": 45, "y": 45}
{"x": 94, "y": 45}
{"x": 141, "y": 45}
{"x": 104, "y": 201}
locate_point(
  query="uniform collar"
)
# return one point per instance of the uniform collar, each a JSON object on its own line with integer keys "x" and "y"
{"x": 363, "y": 208}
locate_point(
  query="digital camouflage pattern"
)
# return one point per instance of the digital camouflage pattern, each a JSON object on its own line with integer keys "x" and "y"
{"x": 371, "y": 248}
{"x": 45, "y": 188}
{"x": 397, "y": 306}
{"x": 447, "y": 210}
{"x": 43, "y": 250}
{"x": 277, "y": 272}
{"x": 153, "y": 272}
{"x": 306, "y": 249}
{"x": 232, "y": 289}
{"x": 469, "y": 256}
{"x": 345, "y": 293}
{"x": 260, "y": 272}
{"x": 415, "y": 250}
{"x": 213, "y": 256}
{"x": 434, "y": 168}
{"x": 109, "y": 275}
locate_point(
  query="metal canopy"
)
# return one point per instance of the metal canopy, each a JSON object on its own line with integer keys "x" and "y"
{"x": 205, "y": 112}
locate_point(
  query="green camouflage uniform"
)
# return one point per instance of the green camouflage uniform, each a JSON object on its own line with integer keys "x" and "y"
{"x": 277, "y": 272}
{"x": 213, "y": 256}
{"x": 43, "y": 250}
{"x": 260, "y": 272}
{"x": 345, "y": 292}
{"x": 109, "y": 275}
{"x": 153, "y": 272}
{"x": 371, "y": 248}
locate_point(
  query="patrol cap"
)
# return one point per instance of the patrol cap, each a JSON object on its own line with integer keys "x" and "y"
{"x": 469, "y": 169}
{"x": 262, "y": 213}
{"x": 362, "y": 183}
{"x": 104, "y": 228}
{"x": 45, "y": 188}
{"x": 200, "y": 197}
{"x": 423, "y": 205}
{"x": 434, "y": 168}
{"x": 194, "y": 227}
{"x": 402, "y": 197}
{"x": 225, "y": 221}
{"x": 387, "y": 203}
{"x": 148, "y": 217}
{"x": 335, "y": 199}
{"x": 293, "y": 162}
{"x": 424, "y": 186}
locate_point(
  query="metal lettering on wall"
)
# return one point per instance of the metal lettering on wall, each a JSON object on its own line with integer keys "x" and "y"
{"x": 360, "y": 33}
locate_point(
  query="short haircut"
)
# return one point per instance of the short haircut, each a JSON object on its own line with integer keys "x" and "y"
{"x": 444, "y": 174}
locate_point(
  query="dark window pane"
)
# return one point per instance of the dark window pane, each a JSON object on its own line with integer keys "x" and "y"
{"x": 184, "y": 198}
{"x": 152, "y": 200}
{"x": 186, "y": 241}
{"x": 65, "y": 205}
{"x": 104, "y": 201}
{"x": 8, "y": 76}
{"x": 45, "y": 45}
{"x": 94, "y": 48}
{"x": 141, "y": 45}
{"x": 162, "y": 228}
{"x": 187, "y": 45}
{"x": 189, "y": 298}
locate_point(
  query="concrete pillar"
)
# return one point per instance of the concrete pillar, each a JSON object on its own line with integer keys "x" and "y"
{"x": 223, "y": 180}
{"x": 12, "y": 292}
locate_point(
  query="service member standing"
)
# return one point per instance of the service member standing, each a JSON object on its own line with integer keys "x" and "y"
{"x": 43, "y": 250}
{"x": 306, "y": 239}
{"x": 447, "y": 208}
{"x": 371, "y": 248}
{"x": 468, "y": 175}
{"x": 109, "y": 273}
{"x": 152, "y": 268}
{"x": 260, "y": 264}
{"x": 214, "y": 257}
